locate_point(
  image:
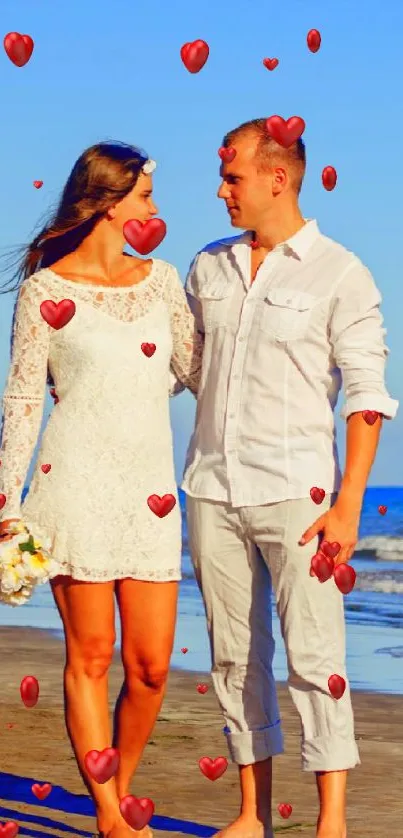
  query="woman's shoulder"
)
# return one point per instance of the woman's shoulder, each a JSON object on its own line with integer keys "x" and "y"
{"x": 165, "y": 268}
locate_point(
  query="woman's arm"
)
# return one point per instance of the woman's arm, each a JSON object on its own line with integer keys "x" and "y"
{"x": 24, "y": 395}
{"x": 187, "y": 342}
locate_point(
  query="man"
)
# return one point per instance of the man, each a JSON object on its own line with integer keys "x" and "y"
{"x": 285, "y": 312}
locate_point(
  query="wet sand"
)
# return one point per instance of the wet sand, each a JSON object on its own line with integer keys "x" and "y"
{"x": 189, "y": 727}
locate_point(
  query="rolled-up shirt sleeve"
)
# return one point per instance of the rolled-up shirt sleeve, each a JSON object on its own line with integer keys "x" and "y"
{"x": 357, "y": 337}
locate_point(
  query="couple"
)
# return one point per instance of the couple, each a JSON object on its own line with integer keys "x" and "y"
{"x": 272, "y": 319}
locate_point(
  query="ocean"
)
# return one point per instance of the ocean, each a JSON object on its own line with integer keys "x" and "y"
{"x": 374, "y": 609}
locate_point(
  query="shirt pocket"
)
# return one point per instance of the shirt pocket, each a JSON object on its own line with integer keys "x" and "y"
{"x": 286, "y": 314}
{"x": 215, "y": 299}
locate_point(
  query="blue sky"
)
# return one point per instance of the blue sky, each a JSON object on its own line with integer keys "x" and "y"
{"x": 103, "y": 70}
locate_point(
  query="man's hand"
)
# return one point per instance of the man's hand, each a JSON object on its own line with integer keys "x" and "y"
{"x": 338, "y": 524}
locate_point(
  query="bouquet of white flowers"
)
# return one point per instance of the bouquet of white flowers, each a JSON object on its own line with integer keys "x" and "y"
{"x": 25, "y": 562}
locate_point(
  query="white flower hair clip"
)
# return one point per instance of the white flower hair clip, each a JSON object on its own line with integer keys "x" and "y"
{"x": 148, "y": 167}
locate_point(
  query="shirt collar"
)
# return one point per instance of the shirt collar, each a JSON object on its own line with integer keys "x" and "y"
{"x": 297, "y": 245}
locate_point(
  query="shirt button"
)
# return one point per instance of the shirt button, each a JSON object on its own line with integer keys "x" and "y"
{"x": 231, "y": 416}
{"x": 240, "y": 339}
{"x": 236, "y": 377}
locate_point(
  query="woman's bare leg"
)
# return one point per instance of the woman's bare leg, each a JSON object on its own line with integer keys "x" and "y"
{"x": 148, "y": 616}
{"x": 88, "y": 613}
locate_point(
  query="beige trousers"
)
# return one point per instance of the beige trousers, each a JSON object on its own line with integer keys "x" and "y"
{"x": 238, "y": 554}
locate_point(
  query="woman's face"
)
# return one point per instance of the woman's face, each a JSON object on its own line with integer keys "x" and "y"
{"x": 137, "y": 204}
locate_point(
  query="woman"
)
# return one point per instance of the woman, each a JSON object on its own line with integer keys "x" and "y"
{"x": 109, "y": 444}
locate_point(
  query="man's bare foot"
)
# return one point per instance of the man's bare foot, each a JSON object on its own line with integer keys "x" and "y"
{"x": 246, "y": 828}
{"x": 327, "y": 829}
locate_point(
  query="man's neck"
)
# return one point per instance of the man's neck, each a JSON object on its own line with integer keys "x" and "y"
{"x": 268, "y": 235}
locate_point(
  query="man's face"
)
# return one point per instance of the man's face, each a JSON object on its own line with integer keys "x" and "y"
{"x": 246, "y": 190}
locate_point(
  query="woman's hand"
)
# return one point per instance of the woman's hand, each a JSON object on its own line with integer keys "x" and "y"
{"x": 4, "y": 525}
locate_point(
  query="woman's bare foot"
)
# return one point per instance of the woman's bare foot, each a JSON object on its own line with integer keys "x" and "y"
{"x": 328, "y": 829}
{"x": 246, "y": 828}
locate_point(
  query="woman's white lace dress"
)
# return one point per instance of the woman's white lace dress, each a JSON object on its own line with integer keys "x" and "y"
{"x": 108, "y": 439}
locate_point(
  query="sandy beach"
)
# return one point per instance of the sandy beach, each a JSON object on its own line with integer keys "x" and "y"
{"x": 189, "y": 727}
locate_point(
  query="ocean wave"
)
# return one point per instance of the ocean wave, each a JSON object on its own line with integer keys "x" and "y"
{"x": 381, "y": 583}
{"x": 383, "y": 547}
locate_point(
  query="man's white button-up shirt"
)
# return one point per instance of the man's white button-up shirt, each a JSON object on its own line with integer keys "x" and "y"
{"x": 276, "y": 352}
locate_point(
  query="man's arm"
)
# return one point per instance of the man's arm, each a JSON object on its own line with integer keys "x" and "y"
{"x": 357, "y": 338}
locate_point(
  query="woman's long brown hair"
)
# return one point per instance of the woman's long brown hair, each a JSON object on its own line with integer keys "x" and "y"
{"x": 101, "y": 177}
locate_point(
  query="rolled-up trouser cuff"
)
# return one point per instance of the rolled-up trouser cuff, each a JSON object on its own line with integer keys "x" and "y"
{"x": 330, "y": 754}
{"x": 255, "y": 745}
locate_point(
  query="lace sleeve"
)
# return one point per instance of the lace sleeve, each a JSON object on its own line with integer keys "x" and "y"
{"x": 187, "y": 353}
{"x": 24, "y": 395}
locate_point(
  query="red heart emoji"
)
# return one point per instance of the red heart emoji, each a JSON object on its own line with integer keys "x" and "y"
{"x": 270, "y": 63}
{"x": 370, "y": 416}
{"x": 29, "y": 690}
{"x": 184, "y": 650}
{"x": 144, "y": 237}
{"x": 336, "y": 685}
{"x": 329, "y": 178}
{"x": 194, "y": 55}
{"x": 382, "y": 509}
{"x": 54, "y": 395}
{"x": 213, "y": 768}
{"x": 161, "y": 506}
{"x": 18, "y": 47}
{"x": 137, "y": 811}
{"x": 317, "y": 494}
{"x": 46, "y": 468}
{"x": 202, "y": 688}
{"x": 102, "y": 765}
{"x": 227, "y": 154}
{"x": 3, "y": 500}
{"x": 322, "y": 567}
{"x": 285, "y": 809}
{"x": 38, "y": 184}
{"x": 285, "y": 133}
{"x": 330, "y": 550}
{"x": 148, "y": 349}
{"x": 57, "y": 315}
{"x": 344, "y": 576}
{"x": 313, "y": 40}
{"x": 41, "y": 791}
{"x": 9, "y": 829}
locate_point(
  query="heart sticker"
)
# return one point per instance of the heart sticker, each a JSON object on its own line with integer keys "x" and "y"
{"x": 184, "y": 650}
{"x": 194, "y": 55}
{"x": 270, "y": 63}
{"x": 137, "y": 811}
{"x": 46, "y": 468}
{"x": 285, "y": 133}
{"x": 144, "y": 237}
{"x": 322, "y": 567}
{"x": 317, "y": 494}
{"x": 370, "y": 416}
{"x": 330, "y": 550}
{"x": 382, "y": 509}
{"x": 29, "y": 690}
{"x": 3, "y": 500}
{"x": 161, "y": 506}
{"x": 313, "y": 40}
{"x": 41, "y": 791}
{"x": 345, "y": 576}
{"x": 227, "y": 154}
{"x": 54, "y": 395}
{"x": 202, "y": 688}
{"x": 284, "y": 809}
{"x": 336, "y": 685}
{"x": 57, "y": 315}
{"x": 148, "y": 349}
{"x": 329, "y": 178}
{"x": 19, "y": 48}
{"x": 9, "y": 829}
{"x": 102, "y": 765}
{"x": 213, "y": 768}
{"x": 38, "y": 184}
